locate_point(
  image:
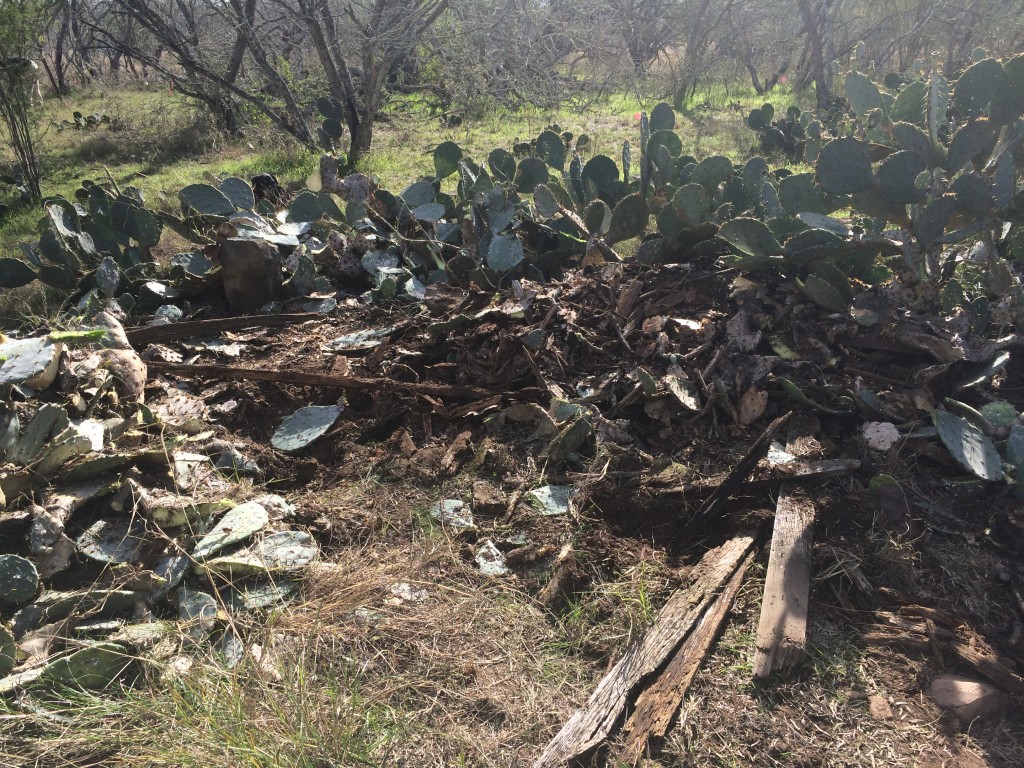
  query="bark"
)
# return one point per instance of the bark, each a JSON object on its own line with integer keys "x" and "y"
{"x": 813, "y": 19}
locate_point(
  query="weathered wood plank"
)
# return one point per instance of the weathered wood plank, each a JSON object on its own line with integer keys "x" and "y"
{"x": 658, "y": 704}
{"x": 592, "y": 723}
{"x": 782, "y": 627}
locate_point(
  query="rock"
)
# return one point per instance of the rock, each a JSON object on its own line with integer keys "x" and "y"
{"x": 967, "y": 698}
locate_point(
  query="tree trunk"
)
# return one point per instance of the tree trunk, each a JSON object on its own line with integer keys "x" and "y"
{"x": 813, "y": 19}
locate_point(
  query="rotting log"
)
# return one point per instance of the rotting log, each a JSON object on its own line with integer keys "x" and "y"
{"x": 782, "y": 627}
{"x": 657, "y": 706}
{"x": 685, "y": 613}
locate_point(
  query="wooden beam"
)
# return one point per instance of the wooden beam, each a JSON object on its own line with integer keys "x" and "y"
{"x": 657, "y": 706}
{"x": 681, "y": 616}
{"x": 782, "y": 628}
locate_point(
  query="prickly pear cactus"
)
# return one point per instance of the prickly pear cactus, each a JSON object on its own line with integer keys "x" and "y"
{"x": 969, "y": 446}
{"x": 237, "y": 525}
{"x": 19, "y": 580}
{"x": 29, "y": 362}
{"x": 95, "y": 666}
{"x": 8, "y": 650}
{"x": 304, "y": 426}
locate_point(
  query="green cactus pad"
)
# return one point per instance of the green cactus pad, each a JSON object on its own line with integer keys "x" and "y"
{"x": 667, "y": 139}
{"x": 239, "y": 193}
{"x": 597, "y": 217}
{"x": 909, "y": 136}
{"x": 831, "y": 273}
{"x": 931, "y": 222}
{"x": 238, "y": 524}
{"x": 823, "y": 293}
{"x": 29, "y": 362}
{"x": 502, "y": 165}
{"x": 976, "y": 87}
{"x": 844, "y": 166}
{"x": 330, "y": 108}
{"x": 205, "y": 200}
{"x": 755, "y": 174}
{"x": 504, "y": 253}
{"x": 14, "y": 273}
{"x": 757, "y": 120}
{"x": 313, "y": 206}
{"x": 544, "y": 199}
{"x": 862, "y": 94}
{"x": 137, "y": 222}
{"x": 19, "y": 580}
{"x": 711, "y": 172}
{"x": 693, "y": 204}
{"x": 551, "y": 149}
{"x": 629, "y": 219}
{"x": 1008, "y": 101}
{"x": 800, "y": 193}
{"x": 663, "y": 118}
{"x": 1004, "y": 182}
{"x": 975, "y": 139}
{"x": 531, "y": 172}
{"x": 969, "y": 446}
{"x": 909, "y": 106}
{"x": 938, "y": 103}
{"x": 95, "y": 666}
{"x": 770, "y": 202}
{"x": 446, "y": 159}
{"x": 973, "y": 194}
{"x": 304, "y": 426}
{"x": 602, "y": 171}
{"x": 8, "y": 650}
{"x": 48, "y": 420}
{"x": 750, "y": 236}
{"x": 896, "y": 176}
{"x": 1015, "y": 446}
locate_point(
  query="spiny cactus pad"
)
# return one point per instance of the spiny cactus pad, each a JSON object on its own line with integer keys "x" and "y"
{"x": 8, "y": 649}
{"x": 19, "y": 580}
{"x": 237, "y": 525}
{"x": 844, "y": 166}
{"x": 969, "y": 445}
{"x": 751, "y": 237}
{"x": 95, "y": 666}
{"x": 304, "y": 426}
{"x": 29, "y": 362}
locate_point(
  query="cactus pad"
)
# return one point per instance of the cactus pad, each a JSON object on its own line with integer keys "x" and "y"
{"x": 29, "y": 362}
{"x": 205, "y": 200}
{"x": 8, "y": 650}
{"x": 304, "y": 426}
{"x": 19, "y": 580}
{"x": 969, "y": 446}
{"x": 976, "y": 87}
{"x": 751, "y": 237}
{"x": 95, "y": 666}
{"x": 237, "y": 525}
{"x": 862, "y": 93}
{"x": 629, "y": 219}
{"x": 844, "y": 166}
